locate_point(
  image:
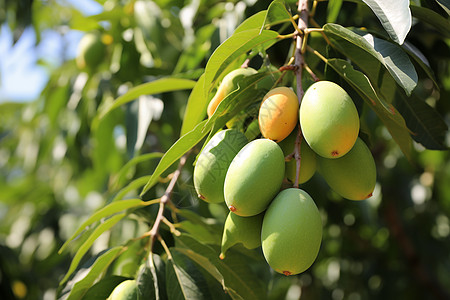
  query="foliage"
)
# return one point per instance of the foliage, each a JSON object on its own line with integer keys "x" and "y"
{"x": 99, "y": 150}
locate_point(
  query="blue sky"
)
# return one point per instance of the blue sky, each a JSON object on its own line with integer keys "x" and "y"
{"x": 21, "y": 78}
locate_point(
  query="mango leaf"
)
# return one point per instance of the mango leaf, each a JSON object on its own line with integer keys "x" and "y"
{"x": 178, "y": 149}
{"x": 427, "y": 125}
{"x": 230, "y": 50}
{"x": 103, "y": 288}
{"x": 106, "y": 211}
{"x": 183, "y": 280}
{"x": 333, "y": 9}
{"x": 256, "y": 21}
{"x": 155, "y": 87}
{"x": 390, "y": 117}
{"x": 365, "y": 51}
{"x": 132, "y": 186}
{"x": 395, "y": 16}
{"x": 105, "y": 226}
{"x": 151, "y": 279}
{"x": 433, "y": 18}
{"x": 100, "y": 265}
{"x": 276, "y": 14}
{"x": 445, "y": 4}
{"x": 421, "y": 60}
{"x": 236, "y": 277}
{"x": 196, "y": 107}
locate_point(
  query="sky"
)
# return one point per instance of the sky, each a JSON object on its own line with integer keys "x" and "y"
{"x": 21, "y": 77}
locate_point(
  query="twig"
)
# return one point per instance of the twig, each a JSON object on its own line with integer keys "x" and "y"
{"x": 165, "y": 199}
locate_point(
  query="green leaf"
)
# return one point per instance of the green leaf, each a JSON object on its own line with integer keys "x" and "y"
{"x": 230, "y": 50}
{"x": 433, "y": 18}
{"x": 178, "y": 149}
{"x": 395, "y": 16}
{"x": 390, "y": 117}
{"x": 237, "y": 277}
{"x": 425, "y": 122}
{"x": 132, "y": 186}
{"x": 155, "y": 87}
{"x": 100, "y": 265}
{"x": 445, "y": 4}
{"x": 196, "y": 107}
{"x": 146, "y": 283}
{"x": 333, "y": 10}
{"x": 119, "y": 177}
{"x": 365, "y": 51}
{"x": 106, "y": 211}
{"x": 421, "y": 60}
{"x": 256, "y": 21}
{"x": 105, "y": 226}
{"x": 276, "y": 14}
{"x": 184, "y": 281}
{"x": 103, "y": 288}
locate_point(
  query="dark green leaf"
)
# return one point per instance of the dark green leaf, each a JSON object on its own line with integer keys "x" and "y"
{"x": 434, "y": 19}
{"x": 146, "y": 283}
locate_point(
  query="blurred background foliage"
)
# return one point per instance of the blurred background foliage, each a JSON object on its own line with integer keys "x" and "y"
{"x": 56, "y": 169}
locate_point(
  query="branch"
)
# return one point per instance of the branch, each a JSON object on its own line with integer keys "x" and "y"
{"x": 165, "y": 199}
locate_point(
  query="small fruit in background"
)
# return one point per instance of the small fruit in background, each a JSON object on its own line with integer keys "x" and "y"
{"x": 278, "y": 113}
{"x": 291, "y": 232}
{"x": 308, "y": 159}
{"x": 91, "y": 51}
{"x": 213, "y": 162}
{"x": 352, "y": 176}
{"x": 254, "y": 177}
{"x": 126, "y": 290}
{"x": 245, "y": 230}
{"x": 329, "y": 119}
{"x": 229, "y": 83}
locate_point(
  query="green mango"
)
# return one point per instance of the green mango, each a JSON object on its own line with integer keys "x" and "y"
{"x": 254, "y": 177}
{"x": 352, "y": 176}
{"x": 245, "y": 230}
{"x": 291, "y": 232}
{"x": 126, "y": 290}
{"x": 308, "y": 160}
{"x": 329, "y": 119}
{"x": 229, "y": 83}
{"x": 91, "y": 51}
{"x": 212, "y": 164}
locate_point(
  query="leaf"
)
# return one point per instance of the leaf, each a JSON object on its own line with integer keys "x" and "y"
{"x": 333, "y": 9}
{"x": 236, "y": 277}
{"x": 388, "y": 55}
{"x": 390, "y": 117}
{"x": 184, "y": 281}
{"x": 395, "y": 16}
{"x": 421, "y": 60}
{"x": 100, "y": 265}
{"x": 106, "y": 211}
{"x": 433, "y": 18}
{"x": 428, "y": 126}
{"x": 88, "y": 243}
{"x": 178, "y": 149}
{"x": 155, "y": 87}
{"x": 276, "y": 14}
{"x": 103, "y": 288}
{"x": 256, "y": 21}
{"x": 231, "y": 49}
{"x": 146, "y": 283}
{"x": 445, "y": 4}
{"x": 133, "y": 185}
{"x": 196, "y": 107}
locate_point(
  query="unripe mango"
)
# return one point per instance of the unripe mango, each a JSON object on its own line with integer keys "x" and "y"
{"x": 213, "y": 162}
{"x": 254, "y": 177}
{"x": 229, "y": 83}
{"x": 278, "y": 113}
{"x": 126, "y": 290}
{"x": 291, "y": 232}
{"x": 91, "y": 51}
{"x": 352, "y": 176}
{"x": 329, "y": 119}
{"x": 308, "y": 160}
{"x": 245, "y": 230}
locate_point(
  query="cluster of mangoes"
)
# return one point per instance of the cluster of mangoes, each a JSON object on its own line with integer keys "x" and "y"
{"x": 248, "y": 175}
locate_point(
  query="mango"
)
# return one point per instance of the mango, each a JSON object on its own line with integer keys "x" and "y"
{"x": 308, "y": 160}
{"x": 291, "y": 232}
{"x": 90, "y": 51}
{"x": 213, "y": 162}
{"x": 229, "y": 83}
{"x": 245, "y": 230}
{"x": 352, "y": 176}
{"x": 254, "y": 177}
{"x": 329, "y": 119}
{"x": 126, "y": 290}
{"x": 278, "y": 113}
